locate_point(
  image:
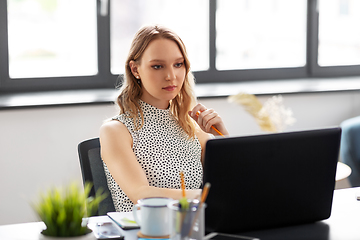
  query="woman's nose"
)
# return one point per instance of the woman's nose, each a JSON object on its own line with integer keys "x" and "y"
{"x": 170, "y": 74}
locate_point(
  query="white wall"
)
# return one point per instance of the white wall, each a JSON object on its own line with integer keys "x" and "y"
{"x": 38, "y": 146}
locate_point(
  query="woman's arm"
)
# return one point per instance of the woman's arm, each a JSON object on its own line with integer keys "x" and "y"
{"x": 203, "y": 138}
{"x": 116, "y": 152}
{"x": 205, "y": 119}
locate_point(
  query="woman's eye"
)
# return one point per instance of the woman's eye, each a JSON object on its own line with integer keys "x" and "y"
{"x": 156, "y": 66}
{"x": 179, "y": 65}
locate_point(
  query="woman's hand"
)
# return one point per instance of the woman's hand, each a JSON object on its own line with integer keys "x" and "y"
{"x": 206, "y": 118}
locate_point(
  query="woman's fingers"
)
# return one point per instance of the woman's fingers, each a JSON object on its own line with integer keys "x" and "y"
{"x": 206, "y": 118}
{"x": 197, "y": 110}
{"x": 212, "y": 121}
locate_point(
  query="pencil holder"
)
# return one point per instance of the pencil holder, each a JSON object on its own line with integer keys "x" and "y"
{"x": 187, "y": 224}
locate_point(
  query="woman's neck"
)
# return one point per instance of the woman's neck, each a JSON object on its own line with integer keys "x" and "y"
{"x": 160, "y": 104}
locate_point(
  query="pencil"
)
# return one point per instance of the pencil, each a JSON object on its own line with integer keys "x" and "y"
{"x": 182, "y": 179}
{"x": 183, "y": 207}
{"x": 202, "y": 200}
{"x": 205, "y": 193}
{"x": 215, "y": 129}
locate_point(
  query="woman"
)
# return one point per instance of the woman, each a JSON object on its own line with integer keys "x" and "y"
{"x": 158, "y": 132}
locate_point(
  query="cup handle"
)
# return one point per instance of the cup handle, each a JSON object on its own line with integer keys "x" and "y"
{"x": 135, "y": 212}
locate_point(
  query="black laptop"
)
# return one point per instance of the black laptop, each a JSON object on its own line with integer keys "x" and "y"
{"x": 270, "y": 180}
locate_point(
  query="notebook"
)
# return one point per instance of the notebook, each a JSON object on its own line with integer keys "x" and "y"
{"x": 270, "y": 180}
{"x": 124, "y": 220}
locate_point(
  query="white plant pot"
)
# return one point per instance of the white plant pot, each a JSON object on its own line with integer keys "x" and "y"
{"x": 89, "y": 236}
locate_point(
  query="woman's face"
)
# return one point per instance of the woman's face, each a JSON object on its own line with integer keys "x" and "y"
{"x": 162, "y": 72}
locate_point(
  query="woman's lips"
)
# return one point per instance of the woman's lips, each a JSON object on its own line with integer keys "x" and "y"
{"x": 169, "y": 88}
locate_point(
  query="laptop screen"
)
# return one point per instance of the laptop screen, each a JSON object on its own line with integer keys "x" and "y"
{"x": 270, "y": 180}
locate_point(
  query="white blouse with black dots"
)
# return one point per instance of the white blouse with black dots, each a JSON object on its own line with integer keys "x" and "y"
{"x": 163, "y": 149}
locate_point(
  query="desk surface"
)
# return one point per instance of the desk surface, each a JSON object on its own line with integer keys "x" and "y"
{"x": 344, "y": 224}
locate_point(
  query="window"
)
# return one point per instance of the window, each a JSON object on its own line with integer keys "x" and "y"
{"x": 195, "y": 34}
{"x": 261, "y": 37}
{"x": 339, "y": 37}
{"x": 49, "y": 39}
{"x": 82, "y": 44}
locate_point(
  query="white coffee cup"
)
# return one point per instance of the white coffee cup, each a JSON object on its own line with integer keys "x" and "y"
{"x": 154, "y": 216}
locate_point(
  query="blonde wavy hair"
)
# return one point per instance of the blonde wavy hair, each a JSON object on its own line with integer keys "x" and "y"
{"x": 131, "y": 90}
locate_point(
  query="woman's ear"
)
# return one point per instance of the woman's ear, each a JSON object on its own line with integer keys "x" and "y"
{"x": 134, "y": 69}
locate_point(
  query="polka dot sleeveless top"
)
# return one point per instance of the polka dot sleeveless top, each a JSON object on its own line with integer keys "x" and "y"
{"x": 163, "y": 149}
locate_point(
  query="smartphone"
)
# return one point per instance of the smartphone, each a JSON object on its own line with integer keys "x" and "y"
{"x": 224, "y": 236}
{"x": 107, "y": 230}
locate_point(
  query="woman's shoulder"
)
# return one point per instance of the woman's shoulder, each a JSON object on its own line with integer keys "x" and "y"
{"x": 114, "y": 137}
{"x": 112, "y": 127}
{"x": 121, "y": 117}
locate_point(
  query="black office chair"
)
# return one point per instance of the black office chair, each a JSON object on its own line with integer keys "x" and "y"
{"x": 93, "y": 171}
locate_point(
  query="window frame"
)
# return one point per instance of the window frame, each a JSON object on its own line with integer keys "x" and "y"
{"x": 213, "y": 75}
{"x": 312, "y": 49}
{"x": 105, "y": 79}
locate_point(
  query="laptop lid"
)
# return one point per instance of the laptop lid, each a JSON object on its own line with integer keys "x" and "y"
{"x": 270, "y": 180}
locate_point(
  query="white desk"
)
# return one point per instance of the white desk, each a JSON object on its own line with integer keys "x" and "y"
{"x": 344, "y": 224}
{"x": 31, "y": 231}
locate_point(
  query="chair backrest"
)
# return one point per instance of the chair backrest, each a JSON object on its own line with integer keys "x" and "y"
{"x": 93, "y": 171}
{"x": 349, "y": 148}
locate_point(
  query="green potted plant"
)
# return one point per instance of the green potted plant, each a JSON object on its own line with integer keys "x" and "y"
{"x": 65, "y": 210}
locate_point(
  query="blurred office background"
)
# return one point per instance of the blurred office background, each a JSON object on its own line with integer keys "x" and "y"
{"x": 57, "y": 56}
